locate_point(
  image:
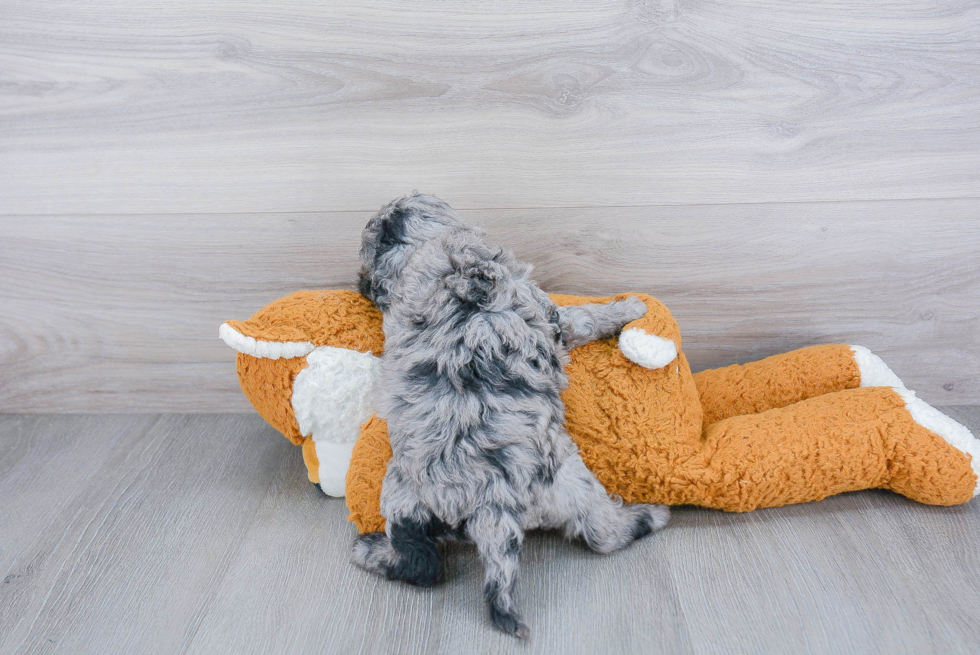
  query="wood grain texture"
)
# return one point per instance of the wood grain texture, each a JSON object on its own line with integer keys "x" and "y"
{"x": 200, "y": 534}
{"x": 53, "y": 453}
{"x": 120, "y": 313}
{"x": 192, "y": 106}
{"x": 131, "y": 559}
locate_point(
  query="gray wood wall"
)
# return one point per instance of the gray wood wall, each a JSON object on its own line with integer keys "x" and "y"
{"x": 779, "y": 173}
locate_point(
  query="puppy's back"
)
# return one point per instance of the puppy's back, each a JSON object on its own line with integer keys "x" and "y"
{"x": 473, "y": 369}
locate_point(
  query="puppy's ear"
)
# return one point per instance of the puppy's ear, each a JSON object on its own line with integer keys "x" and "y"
{"x": 364, "y": 284}
{"x": 375, "y": 288}
{"x": 392, "y": 230}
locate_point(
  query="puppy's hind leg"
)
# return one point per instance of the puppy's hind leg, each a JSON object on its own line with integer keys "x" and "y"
{"x": 498, "y": 535}
{"x": 409, "y": 549}
{"x": 578, "y": 503}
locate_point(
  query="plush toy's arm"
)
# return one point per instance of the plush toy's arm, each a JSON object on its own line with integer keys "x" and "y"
{"x": 653, "y": 340}
{"x": 369, "y": 462}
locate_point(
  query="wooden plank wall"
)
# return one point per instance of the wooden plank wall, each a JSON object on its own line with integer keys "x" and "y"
{"x": 780, "y": 174}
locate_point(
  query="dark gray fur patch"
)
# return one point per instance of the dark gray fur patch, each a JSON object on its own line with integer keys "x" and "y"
{"x": 416, "y": 542}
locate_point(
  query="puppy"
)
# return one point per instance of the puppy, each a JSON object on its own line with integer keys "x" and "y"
{"x": 470, "y": 384}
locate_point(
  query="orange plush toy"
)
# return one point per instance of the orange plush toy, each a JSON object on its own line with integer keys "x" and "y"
{"x": 787, "y": 429}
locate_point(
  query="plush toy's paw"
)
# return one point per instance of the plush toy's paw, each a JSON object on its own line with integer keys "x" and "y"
{"x": 647, "y": 350}
{"x": 953, "y": 432}
{"x": 334, "y": 460}
{"x": 876, "y": 373}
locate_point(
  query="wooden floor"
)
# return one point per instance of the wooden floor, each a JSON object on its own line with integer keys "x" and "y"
{"x": 199, "y": 534}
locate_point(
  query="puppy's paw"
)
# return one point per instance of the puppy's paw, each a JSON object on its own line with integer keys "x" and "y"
{"x": 632, "y": 309}
{"x": 647, "y": 350}
{"x": 372, "y": 552}
{"x": 509, "y": 622}
{"x": 650, "y": 519}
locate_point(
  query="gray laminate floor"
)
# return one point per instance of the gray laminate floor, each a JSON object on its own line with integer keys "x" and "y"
{"x": 198, "y": 533}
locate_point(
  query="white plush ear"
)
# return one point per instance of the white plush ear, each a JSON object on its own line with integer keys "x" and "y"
{"x": 647, "y": 350}
{"x": 263, "y": 349}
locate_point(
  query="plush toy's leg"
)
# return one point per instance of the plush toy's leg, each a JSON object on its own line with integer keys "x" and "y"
{"x": 842, "y": 441}
{"x": 579, "y": 504}
{"x": 909, "y": 466}
{"x": 331, "y": 400}
{"x": 369, "y": 463}
{"x": 311, "y": 461}
{"x": 776, "y": 381}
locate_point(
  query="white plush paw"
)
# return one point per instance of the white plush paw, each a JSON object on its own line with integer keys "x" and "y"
{"x": 647, "y": 350}
{"x": 334, "y": 461}
{"x": 876, "y": 373}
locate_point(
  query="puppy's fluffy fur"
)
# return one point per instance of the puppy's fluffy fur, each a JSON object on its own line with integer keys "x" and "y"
{"x": 470, "y": 384}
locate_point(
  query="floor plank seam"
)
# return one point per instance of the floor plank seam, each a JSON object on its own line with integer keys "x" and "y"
{"x": 463, "y": 208}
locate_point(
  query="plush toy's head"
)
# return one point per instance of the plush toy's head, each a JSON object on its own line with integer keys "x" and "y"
{"x": 307, "y": 363}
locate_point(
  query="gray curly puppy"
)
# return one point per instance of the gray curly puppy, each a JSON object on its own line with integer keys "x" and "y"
{"x": 470, "y": 384}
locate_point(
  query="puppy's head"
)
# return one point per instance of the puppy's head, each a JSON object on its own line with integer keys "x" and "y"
{"x": 393, "y": 235}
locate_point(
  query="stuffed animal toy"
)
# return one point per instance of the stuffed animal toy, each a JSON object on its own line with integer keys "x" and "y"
{"x": 791, "y": 428}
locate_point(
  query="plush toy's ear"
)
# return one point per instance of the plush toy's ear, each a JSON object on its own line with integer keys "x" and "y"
{"x": 294, "y": 325}
{"x": 307, "y": 363}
